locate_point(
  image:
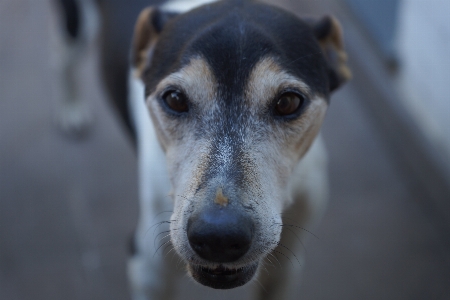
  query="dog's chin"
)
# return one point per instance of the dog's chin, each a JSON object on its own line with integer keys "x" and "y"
{"x": 221, "y": 277}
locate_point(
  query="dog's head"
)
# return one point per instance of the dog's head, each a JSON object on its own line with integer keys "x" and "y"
{"x": 237, "y": 92}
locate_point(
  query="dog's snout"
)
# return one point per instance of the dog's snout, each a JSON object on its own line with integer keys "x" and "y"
{"x": 220, "y": 234}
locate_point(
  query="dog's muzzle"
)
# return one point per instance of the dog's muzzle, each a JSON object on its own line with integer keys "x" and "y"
{"x": 221, "y": 236}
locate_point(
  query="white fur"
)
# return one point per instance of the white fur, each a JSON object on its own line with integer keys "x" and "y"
{"x": 181, "y": 6}
{"x": 145, "y": 269}
{"x": 310, "y": 177}
{"x": 154, "y": 185}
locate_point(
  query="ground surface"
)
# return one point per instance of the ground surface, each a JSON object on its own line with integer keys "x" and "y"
{"x": 67, "y": 207}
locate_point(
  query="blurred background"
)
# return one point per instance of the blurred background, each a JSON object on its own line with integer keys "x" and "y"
{"x": 69, "y": 204}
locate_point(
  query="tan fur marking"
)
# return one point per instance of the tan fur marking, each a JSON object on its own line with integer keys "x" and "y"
{"x": 267, "y": 79}
{"x": 145, "y": 37}
{"x": 334, "y": 41}
{"x": 220, "y": 198}
{"x": 197, "y": 81}
{"x": 311, "y": 123}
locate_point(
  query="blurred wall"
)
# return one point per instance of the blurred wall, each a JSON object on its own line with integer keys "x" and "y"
{"x": 379, "y": 19}
{"x": 423, "y": 45}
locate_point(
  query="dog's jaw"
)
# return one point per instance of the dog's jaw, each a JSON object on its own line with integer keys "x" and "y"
{"x": 221, "y": 277}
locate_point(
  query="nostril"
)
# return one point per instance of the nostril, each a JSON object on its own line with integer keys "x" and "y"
{"x": 220, "y": 235}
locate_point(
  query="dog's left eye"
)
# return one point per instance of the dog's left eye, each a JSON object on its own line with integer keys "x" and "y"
{"x": 288, "y": 103}
{"x": 176, "y": 101}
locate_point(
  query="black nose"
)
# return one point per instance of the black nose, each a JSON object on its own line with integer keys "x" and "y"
{"x": 220, "y": 234}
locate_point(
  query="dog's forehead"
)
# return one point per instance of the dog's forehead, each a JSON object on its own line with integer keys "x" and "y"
{"x": 233, "y": 37}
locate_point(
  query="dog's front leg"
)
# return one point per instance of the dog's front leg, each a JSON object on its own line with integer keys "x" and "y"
{"x": 151, "y": 275}
{"x": 151, "y": 269}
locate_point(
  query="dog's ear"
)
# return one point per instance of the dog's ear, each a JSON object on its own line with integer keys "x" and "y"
{"x": 328, "y": 32}
{"x": 149, "y": 25}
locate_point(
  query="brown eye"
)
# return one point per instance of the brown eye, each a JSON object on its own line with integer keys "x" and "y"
{"x": 176, "y": 101}
{"x": 288, "y": 104}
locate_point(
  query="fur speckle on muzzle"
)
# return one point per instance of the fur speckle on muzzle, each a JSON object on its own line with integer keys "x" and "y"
{"x": 220, "y": 198}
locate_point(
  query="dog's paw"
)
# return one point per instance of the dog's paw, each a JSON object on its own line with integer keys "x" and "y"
{"x": 74, "y": 120}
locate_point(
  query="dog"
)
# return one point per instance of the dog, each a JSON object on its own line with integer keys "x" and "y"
{"x": 78, "y": 25}
{"x": 225, "y": 104}
{"x": 81, "y": 25}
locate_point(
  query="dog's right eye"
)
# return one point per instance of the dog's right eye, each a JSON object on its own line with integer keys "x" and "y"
{"x": 176, "y": 101}
{"x": 288, "y": 103}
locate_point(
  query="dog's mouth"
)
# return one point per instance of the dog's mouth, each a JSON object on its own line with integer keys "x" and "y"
{"x": 221, "y": 277}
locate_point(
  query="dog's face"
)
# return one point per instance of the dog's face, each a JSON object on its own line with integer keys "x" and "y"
{"x": 237, "y": 92}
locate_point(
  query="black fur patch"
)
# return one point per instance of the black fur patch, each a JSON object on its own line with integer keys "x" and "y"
{"x": 233, "y": 36}
{"x": 160, "y": 18}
